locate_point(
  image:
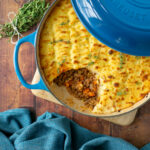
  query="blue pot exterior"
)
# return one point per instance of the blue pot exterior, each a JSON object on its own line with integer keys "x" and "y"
{"x": 31, "y": 39}
{"x": 123, "y": 25}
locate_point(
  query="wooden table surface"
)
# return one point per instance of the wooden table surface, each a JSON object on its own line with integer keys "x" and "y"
{"x": 14, "y": 95}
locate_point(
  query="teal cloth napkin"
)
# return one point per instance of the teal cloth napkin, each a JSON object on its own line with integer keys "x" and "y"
{"x": 52, "y": 132}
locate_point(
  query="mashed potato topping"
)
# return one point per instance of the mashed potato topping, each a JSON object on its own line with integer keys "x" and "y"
{"x": 65, "y": 44}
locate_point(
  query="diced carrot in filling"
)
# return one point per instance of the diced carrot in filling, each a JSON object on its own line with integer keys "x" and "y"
{"x": 81, "y": 83}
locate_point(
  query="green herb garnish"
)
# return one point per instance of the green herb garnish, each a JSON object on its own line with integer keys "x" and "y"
{"x": 138, "y": 83}
{"x": 59, "y": 63}
{"x": 68, "y": 42}
{"x": 90, "y": 63}
{"x": 90, "y": 55}
{"x": 58, "y": 71}
{"x": 63, "y": 61}
{"x": 96, "y": 57}
{"x": 121, "y": 60}
{"x": 28, "y": 16}
{"x": 137, "y": 57}
{"x": 56, "y": 41}
{"x": 64, "y": 23}
{"x": 121, "y": 93}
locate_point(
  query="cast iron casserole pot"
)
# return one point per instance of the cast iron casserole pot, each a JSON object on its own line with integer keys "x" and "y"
{"x": 58, "y": 93}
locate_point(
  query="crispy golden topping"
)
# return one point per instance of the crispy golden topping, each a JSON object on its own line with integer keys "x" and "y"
{"x": 65, "y": 44}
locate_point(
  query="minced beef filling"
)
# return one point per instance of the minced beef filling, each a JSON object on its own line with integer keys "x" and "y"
{"x": 81, "y": 83}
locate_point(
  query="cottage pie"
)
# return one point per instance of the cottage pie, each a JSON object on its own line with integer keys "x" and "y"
{"x": 103, "y": 78}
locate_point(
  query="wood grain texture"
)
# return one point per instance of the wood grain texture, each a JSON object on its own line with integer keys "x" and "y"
{"x": 14, "y": 95}
{"x": 122, "y": 120}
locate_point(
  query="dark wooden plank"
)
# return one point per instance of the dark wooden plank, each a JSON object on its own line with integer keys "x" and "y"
{"x": 92, "y": 123}
{"x": 12, "y": 93}
{"x": 43, "y": 105}
{"x": 137, "y": 133}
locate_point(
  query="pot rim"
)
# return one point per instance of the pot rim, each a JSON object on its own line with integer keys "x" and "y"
{"x": 37, "y": 59}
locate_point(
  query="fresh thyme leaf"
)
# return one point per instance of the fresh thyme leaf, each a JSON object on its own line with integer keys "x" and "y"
{"x": 28, "y": 16}
{"x": 56, "y": 41}
{"x": 68, "y": 42}
{"x": 63, "y": 61}
{"x": 121, "y": 93}
{"x": 138, "y": 83}
{"x": 90, "y": 63}
{"x": 90, "y": 55}
{"x": 59, "y": 63}
{"x": 96, "y": 57}
{"x": 58, "y": 71}
{"x": 121, "y": 60}
{"x": 137, "y": 57}
{"x": 59, "y": 41}
{"x": 64, "y": 23}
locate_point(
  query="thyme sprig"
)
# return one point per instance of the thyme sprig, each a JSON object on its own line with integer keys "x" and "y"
{"x": 121, "y": 60}
{"x": 28, "y": 16}
{"x": 137, "y": 57}
{"x": 120, "y": 93}
{"x": 64, "y": 23}
{"x": 90, "y": 56}
{"x": 65, "y": 41}
{"x": 60, "y": 64}
{"x": 90, "y": 63}
{"x": 138, "y": 83}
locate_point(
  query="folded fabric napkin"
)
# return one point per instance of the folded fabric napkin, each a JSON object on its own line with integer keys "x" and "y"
{"x": 52, "y": 132}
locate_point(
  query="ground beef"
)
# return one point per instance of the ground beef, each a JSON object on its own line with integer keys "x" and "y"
{"x": 81, "y": 83}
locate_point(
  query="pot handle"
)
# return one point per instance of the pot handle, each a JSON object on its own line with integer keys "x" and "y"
{"x": 30, "y": 38}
